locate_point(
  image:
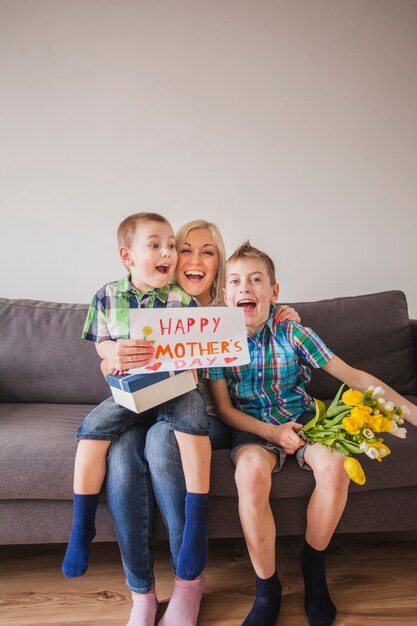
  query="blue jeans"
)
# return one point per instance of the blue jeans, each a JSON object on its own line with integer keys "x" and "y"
{"x": 146, "y": 460}
{"x": 108, "y": 420}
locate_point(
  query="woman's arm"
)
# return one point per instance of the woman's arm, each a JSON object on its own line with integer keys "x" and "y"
{"x": 360, "y": 380}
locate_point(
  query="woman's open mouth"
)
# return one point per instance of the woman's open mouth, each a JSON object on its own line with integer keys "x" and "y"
{"x": 194, "y": 275}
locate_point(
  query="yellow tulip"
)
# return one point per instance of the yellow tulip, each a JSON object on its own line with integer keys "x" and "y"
{"x": 147, "y": 330}
{"x": 379, "y": 424}
{"x": 363, "y": 412}
{"x": 351, "y": 397}
{"x": 352, "y": 424}
{"x": 354, "y": 470}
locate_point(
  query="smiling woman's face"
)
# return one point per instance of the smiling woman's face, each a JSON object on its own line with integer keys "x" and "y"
{"x": 198, "y": 262}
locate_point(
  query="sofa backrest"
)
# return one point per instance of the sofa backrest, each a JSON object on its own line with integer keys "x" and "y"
{"x": 370, "y": 332}
{"x": 44, "y": 359}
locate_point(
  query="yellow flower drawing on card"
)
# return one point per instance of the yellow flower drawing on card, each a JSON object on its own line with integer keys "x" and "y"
{"x": 147, "y": 330}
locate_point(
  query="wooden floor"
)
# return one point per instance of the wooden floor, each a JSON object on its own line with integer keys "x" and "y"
{"x": 373, "y": 580}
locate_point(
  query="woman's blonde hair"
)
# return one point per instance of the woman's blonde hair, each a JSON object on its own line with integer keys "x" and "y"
{"x": 216, "y": 291}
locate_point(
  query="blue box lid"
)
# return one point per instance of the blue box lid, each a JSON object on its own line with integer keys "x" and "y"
{"x": 134, "y": 382}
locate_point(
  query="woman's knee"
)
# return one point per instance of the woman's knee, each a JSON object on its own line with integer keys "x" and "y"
{"x": 126, "y": 455}
{"x": 161, "y": 449}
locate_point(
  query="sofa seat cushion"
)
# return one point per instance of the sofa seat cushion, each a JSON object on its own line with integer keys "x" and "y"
{"x": 38, "y": 450}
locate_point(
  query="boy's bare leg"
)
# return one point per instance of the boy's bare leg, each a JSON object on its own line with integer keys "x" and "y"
{"x": 328, "y": 500}
{"x": 90, "y": 466}
{"x": 89, "y": 474}
{"x": 254, "y": 467}
{"x": 325, "y": 508}
{"x": 184, "y": 605}
{"x": 195, "y": 453}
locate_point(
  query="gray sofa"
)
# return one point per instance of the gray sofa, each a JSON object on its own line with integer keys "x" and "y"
{"x": 50, "y": 379}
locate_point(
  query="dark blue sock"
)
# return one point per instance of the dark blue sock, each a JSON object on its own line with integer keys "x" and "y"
{"x": 267, "y": 603}
{"x": 82, "y": 534}
{"x": 192, "y": 558}
{"x": 319, "y": 607}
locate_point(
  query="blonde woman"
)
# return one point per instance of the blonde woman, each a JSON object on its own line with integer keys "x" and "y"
{"x": 145, "y": 461}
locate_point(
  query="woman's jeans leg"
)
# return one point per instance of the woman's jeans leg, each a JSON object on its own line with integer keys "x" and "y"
{"x": 163, "y": 456}
{"x": 131, "y": 501}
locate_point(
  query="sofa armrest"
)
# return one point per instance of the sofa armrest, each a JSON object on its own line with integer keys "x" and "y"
{"x": 413, "y": 325}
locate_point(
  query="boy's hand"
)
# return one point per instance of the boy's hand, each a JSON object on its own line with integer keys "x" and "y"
{"x": 285, "y": 435}
{"x": 105, "y": 369}
{"x": 284, "y": 313}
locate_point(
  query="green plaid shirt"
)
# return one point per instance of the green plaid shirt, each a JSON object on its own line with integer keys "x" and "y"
{"x": 272, "y": 386}
{"x": 108, "y": 316}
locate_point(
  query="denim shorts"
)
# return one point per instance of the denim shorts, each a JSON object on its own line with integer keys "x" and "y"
{"x": 185, "y": 414}
{"x": 241, "y": 439}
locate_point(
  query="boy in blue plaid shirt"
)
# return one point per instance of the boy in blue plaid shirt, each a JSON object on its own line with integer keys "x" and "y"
{"x": 147, "y": 249}
{"x": 266, "y": 403}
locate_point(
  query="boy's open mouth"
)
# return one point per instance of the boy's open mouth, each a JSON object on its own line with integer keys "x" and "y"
{"x": 163, "y": 269}
{"x": 248, "y": 305}
{"x": 195, "y": 275}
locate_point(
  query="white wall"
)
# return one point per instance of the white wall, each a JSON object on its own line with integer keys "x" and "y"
{"x": 289, "y": 122}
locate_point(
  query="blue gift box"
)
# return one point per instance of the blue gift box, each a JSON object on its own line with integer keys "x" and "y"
{"x": 140, "y": 392}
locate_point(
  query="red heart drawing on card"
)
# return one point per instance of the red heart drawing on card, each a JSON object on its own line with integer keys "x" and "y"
{"x": 153, "y": 367}
{"x": 229, "y": 359}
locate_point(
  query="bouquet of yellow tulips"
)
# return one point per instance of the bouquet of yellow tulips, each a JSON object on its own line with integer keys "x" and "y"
{"x": 352, "y": 424}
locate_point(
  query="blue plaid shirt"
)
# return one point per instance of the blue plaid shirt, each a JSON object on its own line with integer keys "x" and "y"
{"x": 108, "y": 316}
{"x": 272, "y": 386}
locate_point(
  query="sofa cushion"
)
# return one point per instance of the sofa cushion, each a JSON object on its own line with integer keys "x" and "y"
{"x": 43, "y": 358}
{"x": 38, "y": 450}
{"x": 370, "y": 332}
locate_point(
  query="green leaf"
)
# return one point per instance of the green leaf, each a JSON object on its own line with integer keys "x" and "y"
{"x": 340, "y": 448}
{"x": 335, "y": 401}
{"x": 333, "y": 424}
{"x": 350, "y": 446}
{"x": 339, "y": 414}
{"x": 320, "y": 410}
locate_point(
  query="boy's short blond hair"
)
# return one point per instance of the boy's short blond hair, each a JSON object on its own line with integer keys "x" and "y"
{"x": 219, "y": 282}
{"x": 128, "y": 227}
{"x": 246, "y": 250}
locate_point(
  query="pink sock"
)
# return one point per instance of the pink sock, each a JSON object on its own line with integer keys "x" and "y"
{"x": 145, "y": 606}
{"x": 185, "y": 603}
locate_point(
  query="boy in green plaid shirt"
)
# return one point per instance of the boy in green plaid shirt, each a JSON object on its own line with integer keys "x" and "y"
{"x": 147, "y": 249}
{"x": 266, "y": 403}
